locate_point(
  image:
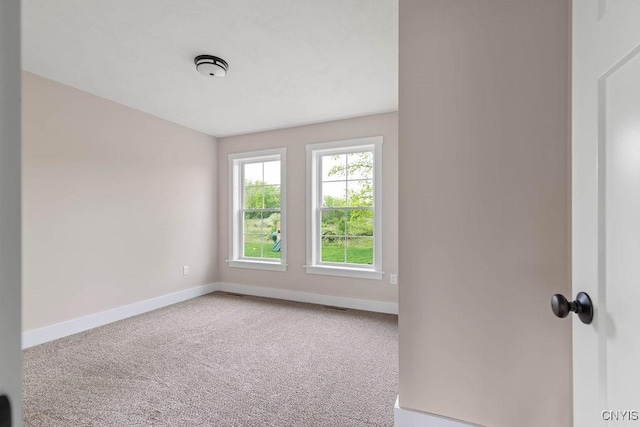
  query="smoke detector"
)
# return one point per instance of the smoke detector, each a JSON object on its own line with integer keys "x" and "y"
{"x": 209, "y": 65}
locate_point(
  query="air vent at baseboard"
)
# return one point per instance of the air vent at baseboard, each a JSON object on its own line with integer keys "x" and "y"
{"x": 331, "y": 307}
{"x": 233, "y": 294}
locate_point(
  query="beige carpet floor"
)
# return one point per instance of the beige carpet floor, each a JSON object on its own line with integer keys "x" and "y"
{"x": 219, "y": 360}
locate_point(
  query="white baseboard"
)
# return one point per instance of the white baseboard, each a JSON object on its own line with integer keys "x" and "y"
{"x": 81, "y": 324}
{"x": 408, "y": 418}
{"x": 335, "y": 301}
{"x": 70, "y": 327}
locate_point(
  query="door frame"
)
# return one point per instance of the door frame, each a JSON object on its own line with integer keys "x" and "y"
{"x": 10, "y": 209}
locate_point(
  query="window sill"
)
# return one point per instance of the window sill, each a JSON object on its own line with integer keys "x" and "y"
{"x": 359, "y": 273}
{"x": 257, "y": 265}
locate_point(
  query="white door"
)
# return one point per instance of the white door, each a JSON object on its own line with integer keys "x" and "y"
{"x": 606, "y": 209}
{"x": 10, "y": 352}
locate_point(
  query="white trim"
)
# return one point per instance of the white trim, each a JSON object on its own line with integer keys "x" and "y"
{"x": 312, "y": 167}
{"x": 346, "y": 144}
{"x": 377, "y": 203}
{"x": 257, "y": 265}
{"x": 81, "y": 324}
{"x": 235, "y": 201}
{"x": 74, "y": 326}
{"x": 409, "y": 418}
{"x": 333, "y": 270}
{"x": 258, "y": 154}
{"x": 331, "y": 300}
{"x": 314, "y": 266}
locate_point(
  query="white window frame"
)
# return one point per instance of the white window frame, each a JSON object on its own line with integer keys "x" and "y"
{"x": 236, "y": 185}
{"x": 314, "y": 204}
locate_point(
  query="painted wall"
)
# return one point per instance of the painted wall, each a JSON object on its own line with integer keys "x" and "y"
{"x": 484, "y": 155}
{"x": 115, "y": 202}
{"x": 294, "y": 140}
{"x": 10, "y": 350}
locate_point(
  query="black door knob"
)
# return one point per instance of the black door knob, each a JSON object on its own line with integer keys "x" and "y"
{"x": 582, "y": 306}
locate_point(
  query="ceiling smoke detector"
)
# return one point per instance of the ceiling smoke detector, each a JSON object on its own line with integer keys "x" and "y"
{"x": 209, "y": 65}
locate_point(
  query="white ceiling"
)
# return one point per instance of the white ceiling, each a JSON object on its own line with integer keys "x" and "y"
{"x": 291, "y": 62}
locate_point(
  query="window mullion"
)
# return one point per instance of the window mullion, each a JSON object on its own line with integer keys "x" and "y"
{"x": 350, "y": 208}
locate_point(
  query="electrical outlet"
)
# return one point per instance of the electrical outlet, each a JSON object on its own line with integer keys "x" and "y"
{"x": 185, "y": 270}
{"x": 393, "y": 279}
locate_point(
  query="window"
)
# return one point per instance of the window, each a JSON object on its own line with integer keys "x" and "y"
{"x": 344, "y": 196}
{"x": 257, "y": 217}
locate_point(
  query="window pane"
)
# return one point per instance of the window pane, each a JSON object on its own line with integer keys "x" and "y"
{"x": 360, "y": 193}
{"x": 271, "y": 196}
{"x": 360, "y": 250}
{"x": 253, "y": 173}
{"x": 253, "y": 245}
{"x": 261, "y": 246}
{"x": 360, "y": 165}
{"x": 334, "y": 194}
{"x": 334, "y": 167}
{"x": 333, "y": 222}
{"x": 253, "y": 197}
{"x": 360, "y": 223}
{"x": 271, "y": 249}
{"x": 271, "y": 222}
{"x": 333, "y": 249}
{"x": 253, "y": 223}
{"x": 272, "y": 173}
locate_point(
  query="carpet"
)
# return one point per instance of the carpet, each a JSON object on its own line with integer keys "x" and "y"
{"x": 219, "y": 360}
